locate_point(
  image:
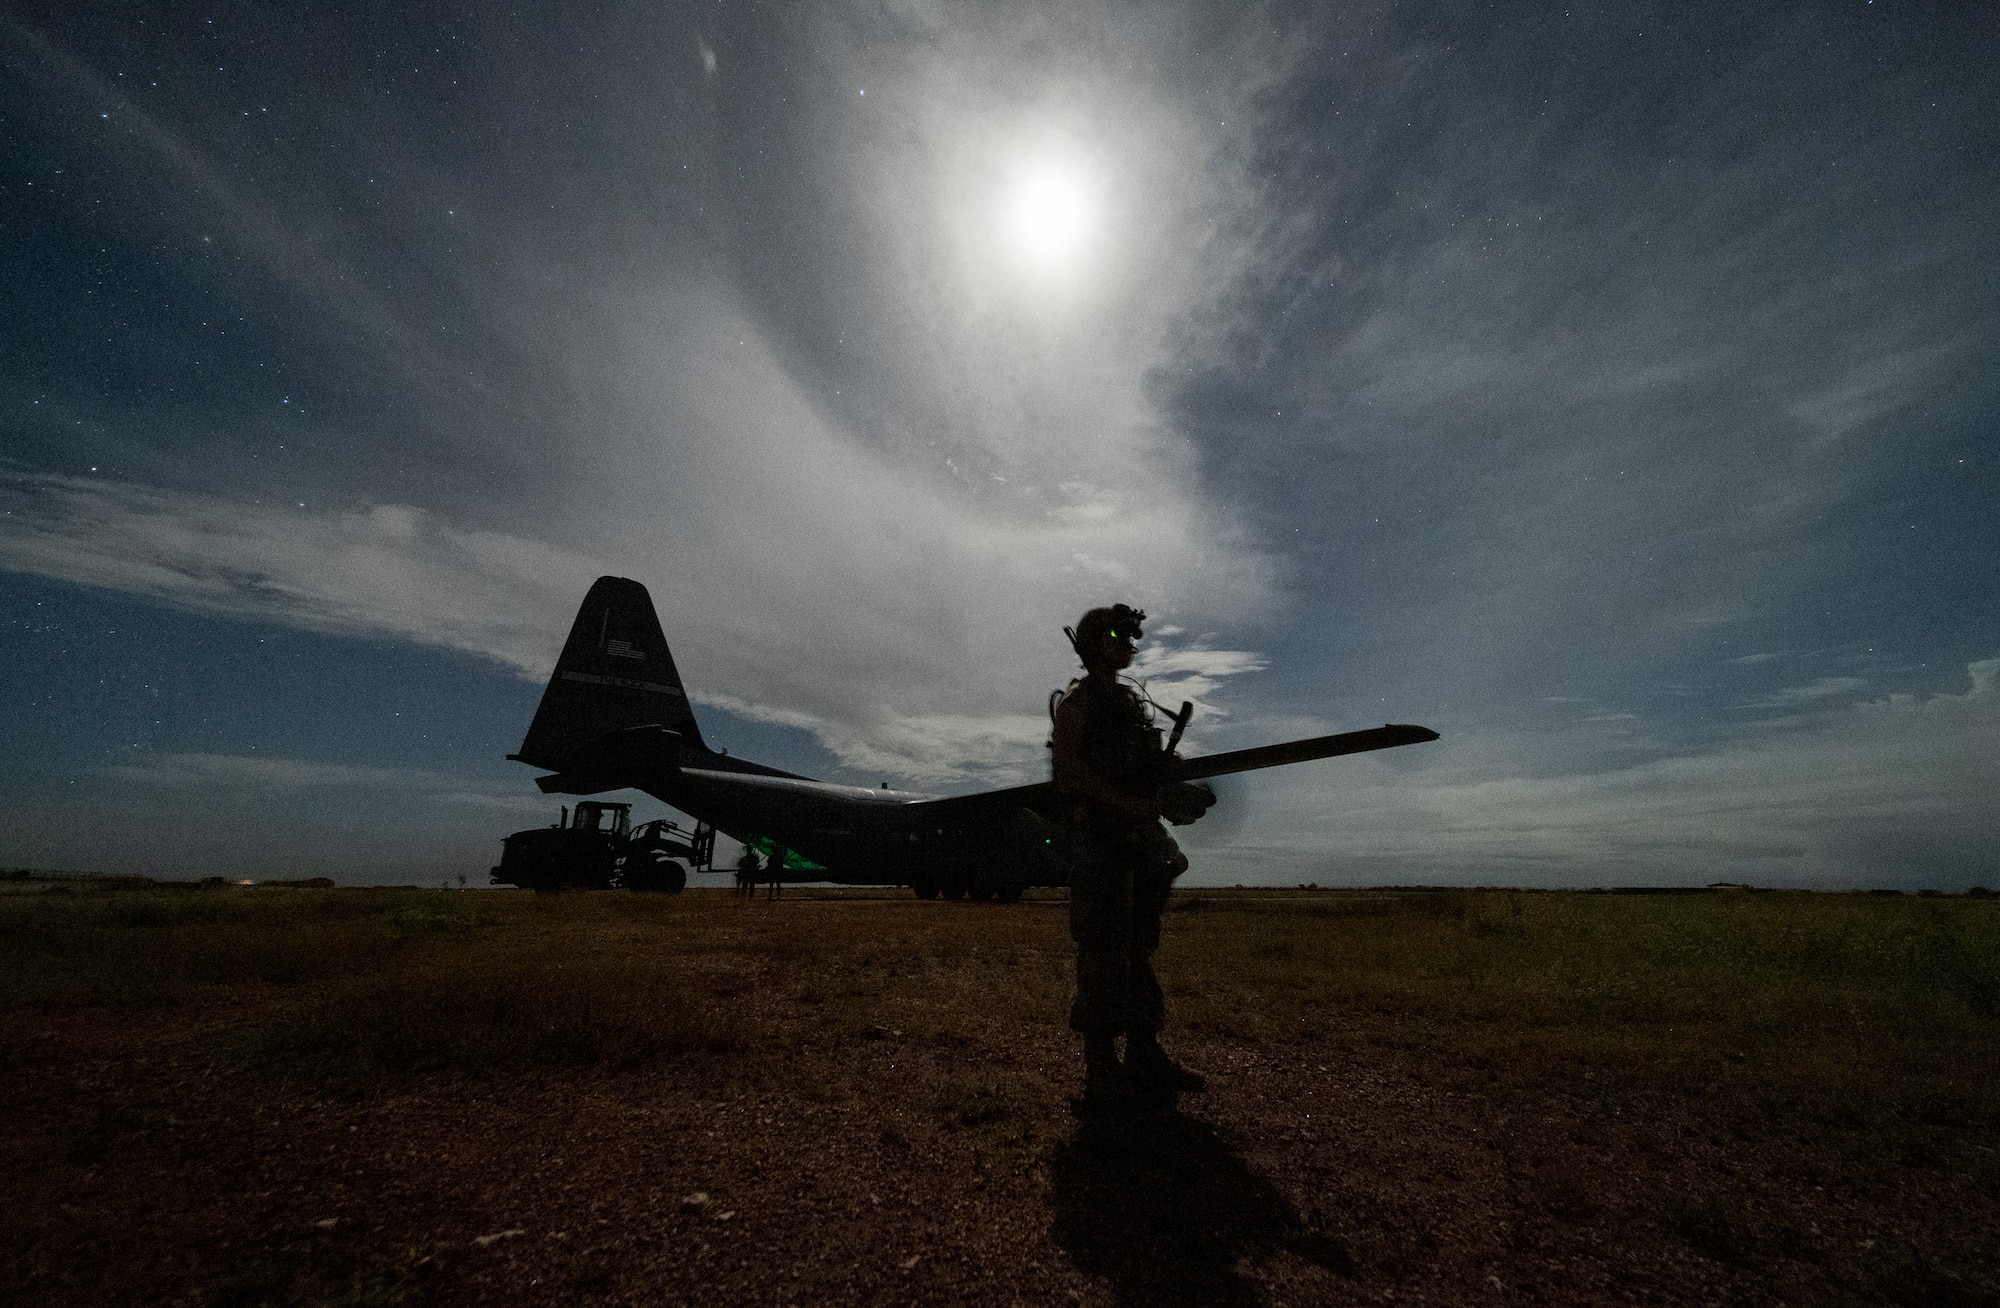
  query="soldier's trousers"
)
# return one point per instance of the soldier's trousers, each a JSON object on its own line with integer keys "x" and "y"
{"x": 1117, "y": 892}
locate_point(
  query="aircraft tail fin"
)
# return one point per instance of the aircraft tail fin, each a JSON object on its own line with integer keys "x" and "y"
{"x": 615, "y": 673}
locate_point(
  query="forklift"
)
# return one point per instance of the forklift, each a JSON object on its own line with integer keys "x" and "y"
{"x": 598, "y": 851}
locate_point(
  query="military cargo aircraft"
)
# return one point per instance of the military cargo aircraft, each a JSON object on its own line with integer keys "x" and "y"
{"x": 615, "y": 716}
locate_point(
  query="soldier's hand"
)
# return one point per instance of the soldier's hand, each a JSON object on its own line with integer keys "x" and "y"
{"x": 1144, "y": 807}
{"x": 1183, "y": 802}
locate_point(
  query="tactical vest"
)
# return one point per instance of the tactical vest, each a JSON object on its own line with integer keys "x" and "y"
{"x": 1117, "y": 739}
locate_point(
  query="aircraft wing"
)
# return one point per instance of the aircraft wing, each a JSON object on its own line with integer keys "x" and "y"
{"x": 1042, "y": 793}
{"x": 1298, "y": 751}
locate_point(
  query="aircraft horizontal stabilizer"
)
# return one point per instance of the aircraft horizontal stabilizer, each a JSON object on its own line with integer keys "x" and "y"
{"x": 1299, "y": 751}
{"x": 616, "y": 760}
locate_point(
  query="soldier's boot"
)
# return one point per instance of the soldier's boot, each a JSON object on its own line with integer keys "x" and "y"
{"x": 1149, "y": 1065}
{"x": 1105, "y": 1084}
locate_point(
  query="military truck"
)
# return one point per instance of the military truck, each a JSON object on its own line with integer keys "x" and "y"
{"x": 597, "y": 850}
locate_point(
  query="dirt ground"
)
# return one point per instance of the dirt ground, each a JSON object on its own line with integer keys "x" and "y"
{"x": 142, "y": 1167}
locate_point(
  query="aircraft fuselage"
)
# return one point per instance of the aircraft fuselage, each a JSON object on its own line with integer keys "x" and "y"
{"x": 615, "y": 716}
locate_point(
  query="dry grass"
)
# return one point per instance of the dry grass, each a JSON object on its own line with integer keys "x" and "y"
{"x": 1821, "y": 1009}
{"x": 1846, "y": 1008}
{"x": 367, "y": 988}
{"x": 1765, "y": 1097}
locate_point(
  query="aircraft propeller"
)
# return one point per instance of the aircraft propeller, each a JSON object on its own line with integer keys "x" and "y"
{"x": 1225, "y": 819}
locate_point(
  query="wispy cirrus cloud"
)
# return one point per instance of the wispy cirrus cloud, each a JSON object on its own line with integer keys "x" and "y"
{"x": 272, "y": 774}
{"x": 873, "y": 533}
{"x": 393, "y": 570}
{"x": 1810, "y": 692}
{"x": 1895, "y": 791}
{"x": 400, "y": 572}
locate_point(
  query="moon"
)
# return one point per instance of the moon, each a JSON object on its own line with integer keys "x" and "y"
{"x": 1051, "y": 215}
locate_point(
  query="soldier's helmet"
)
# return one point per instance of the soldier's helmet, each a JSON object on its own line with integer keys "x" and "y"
{"x": 1117, "y": 620}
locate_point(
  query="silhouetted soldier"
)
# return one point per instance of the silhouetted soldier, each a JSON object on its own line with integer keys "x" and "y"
{"x": 746, "y": 874}
{"x": 1109, "y": 761}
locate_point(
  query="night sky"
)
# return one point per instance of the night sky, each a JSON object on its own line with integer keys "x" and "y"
{"x": 1615, "y": 390}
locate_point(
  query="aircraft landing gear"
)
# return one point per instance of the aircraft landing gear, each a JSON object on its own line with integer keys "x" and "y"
{"x": 925, "y": 887}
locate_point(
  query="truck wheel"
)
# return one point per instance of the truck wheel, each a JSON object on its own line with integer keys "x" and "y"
{"x": 658, "y": 875}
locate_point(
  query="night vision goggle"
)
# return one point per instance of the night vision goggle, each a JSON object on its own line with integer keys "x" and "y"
{"x": 1115, "y": 622}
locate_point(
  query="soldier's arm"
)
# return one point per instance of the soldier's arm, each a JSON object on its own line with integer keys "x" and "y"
{"x": 1075, "y": 776}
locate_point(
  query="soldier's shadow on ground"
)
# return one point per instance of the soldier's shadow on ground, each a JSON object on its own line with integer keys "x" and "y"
{"x": 1166, "y": 1211}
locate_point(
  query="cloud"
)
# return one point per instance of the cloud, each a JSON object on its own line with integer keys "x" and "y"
{"x": 1456, "y": 393}
{"x": 998, "y": 749}
{"x": 1157, "y": 660}
{"x": 1824, "y": 688}
{"x": 1896, "y": 791}
{"x": 392, "y": 570}
{"x": 232, "y": 772}
{"x": 204, "y": 770}
{"x": 1556, "y": 389}
{"x": 867, "y": 465}
{"x": 926, "y": 690}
